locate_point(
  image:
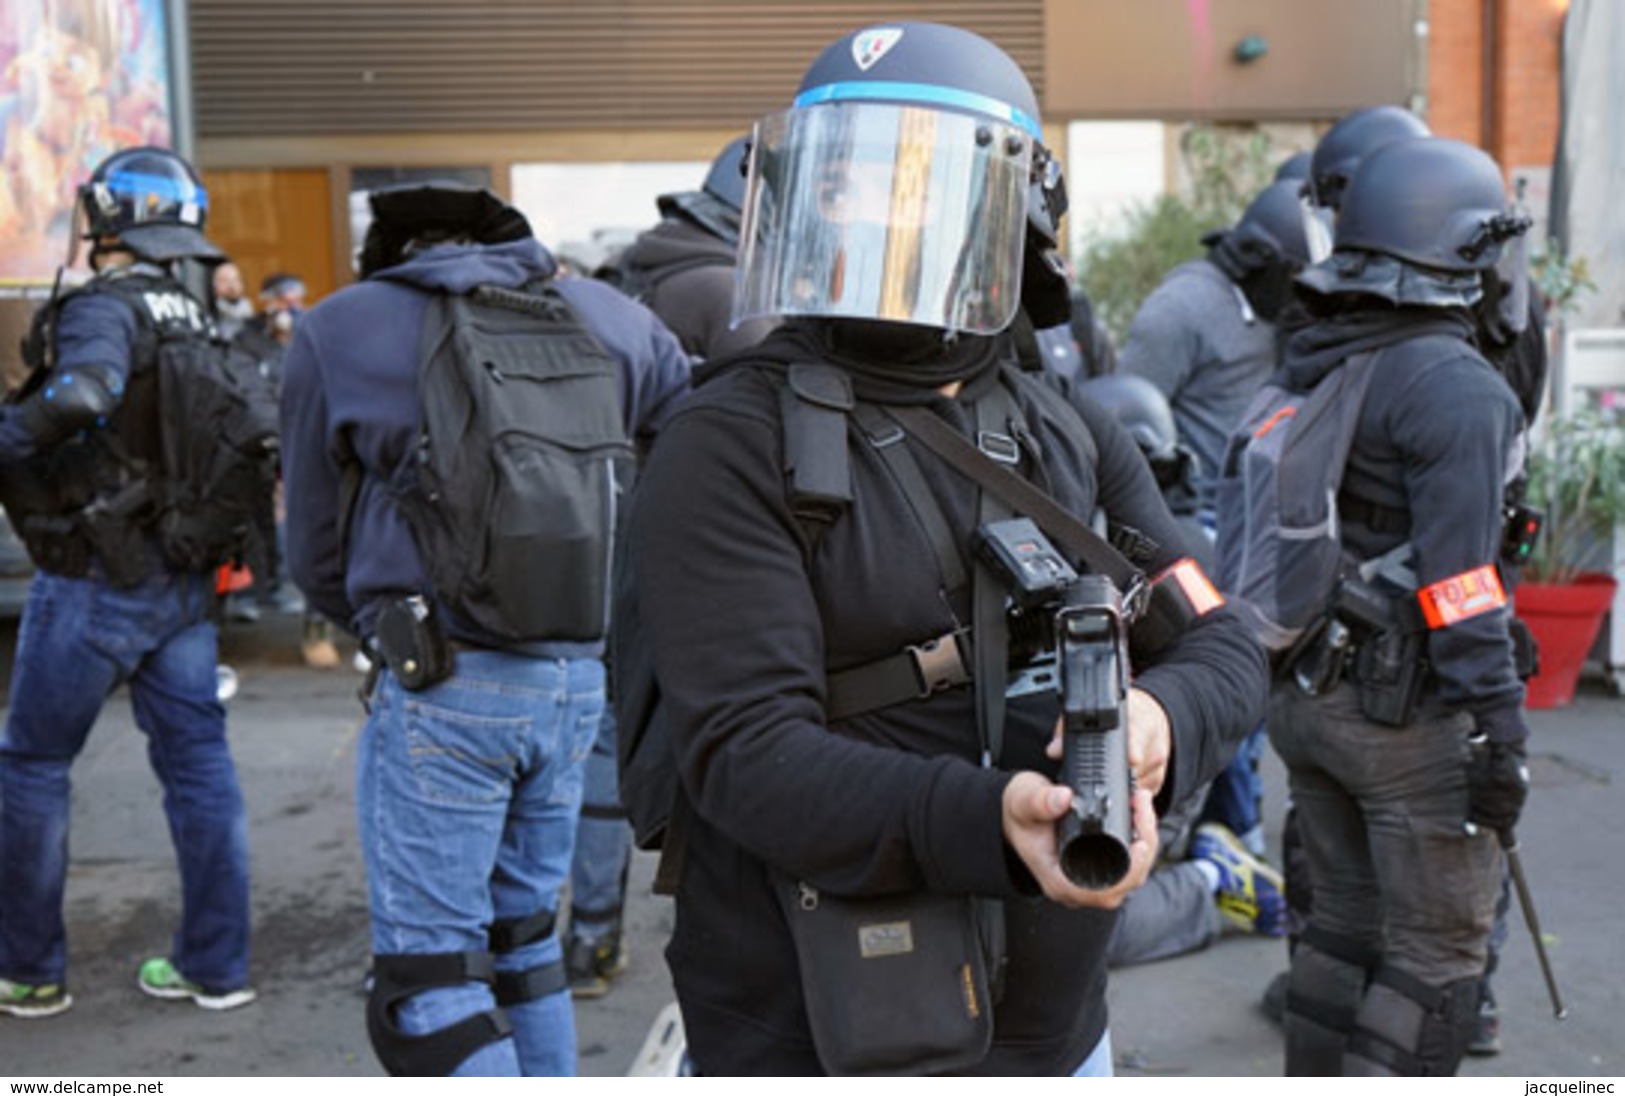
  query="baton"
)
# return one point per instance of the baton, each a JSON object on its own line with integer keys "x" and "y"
{"x": 1509, "y": 844}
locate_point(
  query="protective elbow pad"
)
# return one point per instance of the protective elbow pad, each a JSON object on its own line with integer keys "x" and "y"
{"x": 74, "y": 398}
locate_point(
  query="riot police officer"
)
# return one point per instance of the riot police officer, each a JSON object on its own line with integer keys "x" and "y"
{"x": 896, "y": 214}
{"x": 1425, "y": 732}
{"x": 108, "y": 607}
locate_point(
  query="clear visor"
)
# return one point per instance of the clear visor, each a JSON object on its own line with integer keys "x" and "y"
{"x": 1513, "y": 268}
{"x": 887, "y": 212}
{"x": 1318, "y": 222}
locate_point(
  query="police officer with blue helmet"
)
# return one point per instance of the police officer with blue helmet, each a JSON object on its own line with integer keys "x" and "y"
{"x": 1408, "y": 758}
{"x": 106, "y": 607}
{"x": 897, "y": 214}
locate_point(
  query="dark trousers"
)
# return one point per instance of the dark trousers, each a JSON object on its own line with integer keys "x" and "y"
{"x": 1381, "y": 810}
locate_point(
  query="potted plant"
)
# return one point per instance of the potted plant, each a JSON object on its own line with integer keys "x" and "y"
{"x": 1576, "y": 472}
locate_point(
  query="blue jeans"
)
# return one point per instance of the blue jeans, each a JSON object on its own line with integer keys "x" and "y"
{"x": 79, "y": 638}
{"x": 467, "y": 795}
{"x": 603, "y": 843}
{"x": 1236, "y": 796}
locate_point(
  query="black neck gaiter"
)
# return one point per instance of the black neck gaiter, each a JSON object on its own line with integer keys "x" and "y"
{"x": 898, "y": 363}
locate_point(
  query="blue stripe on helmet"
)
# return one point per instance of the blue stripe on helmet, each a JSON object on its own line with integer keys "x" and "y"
{"x": 139, "y": 182}
{"x": 919, "y": 93}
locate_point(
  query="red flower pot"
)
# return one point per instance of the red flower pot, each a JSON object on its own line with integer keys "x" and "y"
{"x": 1564, "y": 620}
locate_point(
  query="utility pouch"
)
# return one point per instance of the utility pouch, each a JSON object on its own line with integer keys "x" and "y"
{"x": 409, "y": 639}
{"x": 1319, "y": 666}
{"x": 111, "y": 527}
{"x": 56, "y": 545}
{"x": 1389, "y": 670}
{"x": 893, "y": 986}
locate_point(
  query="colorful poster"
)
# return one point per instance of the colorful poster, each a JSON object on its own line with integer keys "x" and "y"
{"x": 78, "y": 79}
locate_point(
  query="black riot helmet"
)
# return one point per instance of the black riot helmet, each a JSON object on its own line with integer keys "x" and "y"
{"x": 1270, "y": 232}
{"x": 1294, "y": 167}
{"x": 413, "y": 216}
{"x": 1351, "y": 140}
{"x": 1262, "y": 251}
{"x": 1143, "y": 411}
{"x": 152, "y": 202}
{"x": 905, "y": 183}
{"x": 1421, "y": 220}
{"x": 1432, "y": 202}
{"x": 716, "y": 205}
{"x": 726, "y": 180}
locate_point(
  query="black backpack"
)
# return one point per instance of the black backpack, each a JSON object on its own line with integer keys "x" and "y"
{"x": 197, "y": 426}
{"x": 521, "y": 457}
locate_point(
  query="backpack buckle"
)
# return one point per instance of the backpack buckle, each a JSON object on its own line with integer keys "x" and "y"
{"x": 938, "y": 663}
{"x": 999, "y": 447}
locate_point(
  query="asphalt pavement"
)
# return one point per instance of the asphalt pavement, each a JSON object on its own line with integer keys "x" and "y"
{"x": 294, "y": 733}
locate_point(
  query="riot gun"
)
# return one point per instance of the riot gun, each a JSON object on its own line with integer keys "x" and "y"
{"x": 1068, "y": 632}
{"x": 1092, "y": 648}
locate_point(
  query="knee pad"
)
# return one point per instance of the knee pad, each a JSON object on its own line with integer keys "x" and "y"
{"x": 436, "y": 1054}
{"x": 1407, "y": 1028}
{"x": 1324, "y": 991}
{"x": 515, "y": 987}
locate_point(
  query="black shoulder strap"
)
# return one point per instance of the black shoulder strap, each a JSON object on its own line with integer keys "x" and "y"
{"x": 814, "y": 404}
{"x": 1076, "y": 538}
{"x": 436, "y": 326}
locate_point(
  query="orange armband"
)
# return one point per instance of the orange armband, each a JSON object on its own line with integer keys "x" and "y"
{"x": 1461, "y": 597}
{"x": 1198, "y": 590}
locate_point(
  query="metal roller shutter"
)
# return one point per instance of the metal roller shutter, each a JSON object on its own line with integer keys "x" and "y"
{"x": 323, "y": 67}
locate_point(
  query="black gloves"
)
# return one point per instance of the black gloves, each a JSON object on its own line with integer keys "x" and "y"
{"x": 1497, "y": 784}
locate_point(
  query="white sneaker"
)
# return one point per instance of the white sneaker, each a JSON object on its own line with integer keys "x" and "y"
{"x": 665, "y": 1049}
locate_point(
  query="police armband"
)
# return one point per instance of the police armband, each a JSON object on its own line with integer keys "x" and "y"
{"x": 1461, "y": 597}
{"x": 72, "y": 399}
{"x": 1179, "y": 595}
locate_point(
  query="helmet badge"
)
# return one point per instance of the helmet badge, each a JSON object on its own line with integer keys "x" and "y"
{"x": 870, "y": 46}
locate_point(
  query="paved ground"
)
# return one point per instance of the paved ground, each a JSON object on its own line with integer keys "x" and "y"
{"x": 294, "y": 732}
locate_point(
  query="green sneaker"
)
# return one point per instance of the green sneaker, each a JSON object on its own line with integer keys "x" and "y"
{"x": 159, "y": 978}
{"x": 34, "y": 1002}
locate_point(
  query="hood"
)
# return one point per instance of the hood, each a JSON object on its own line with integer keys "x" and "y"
{"x": 674, "y": 241}
{"x": 1316, "y": 350}
{"x": 458, "y": 268}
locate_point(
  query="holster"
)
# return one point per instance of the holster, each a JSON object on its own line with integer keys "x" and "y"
{"x": 409, "y": 639}
{"x": 114, "y": 530}
{"x": 1389, "y": 669}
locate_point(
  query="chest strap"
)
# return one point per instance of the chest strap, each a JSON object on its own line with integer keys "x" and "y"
{"x": 915, "y": 672}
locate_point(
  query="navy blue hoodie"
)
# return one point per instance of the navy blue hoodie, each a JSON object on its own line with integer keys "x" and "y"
{"x": 352, "y": 367}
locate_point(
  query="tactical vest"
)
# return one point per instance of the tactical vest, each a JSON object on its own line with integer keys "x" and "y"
{"x": 98, "y": 495}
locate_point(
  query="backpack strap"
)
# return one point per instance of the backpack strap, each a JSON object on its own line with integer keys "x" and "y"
{"x": 1076, "y": 538}
{"x": 814, "y": 404}
{"x": 437, "y": 326}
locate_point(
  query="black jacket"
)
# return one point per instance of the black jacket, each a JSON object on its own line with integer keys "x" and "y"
{"x": 1435, "y": 443}
{"x": 894, "y": 800}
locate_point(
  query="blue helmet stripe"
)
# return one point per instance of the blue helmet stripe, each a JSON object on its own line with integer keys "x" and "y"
{"x": 932, "y": 94}
{"x": 139, "y": 182}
